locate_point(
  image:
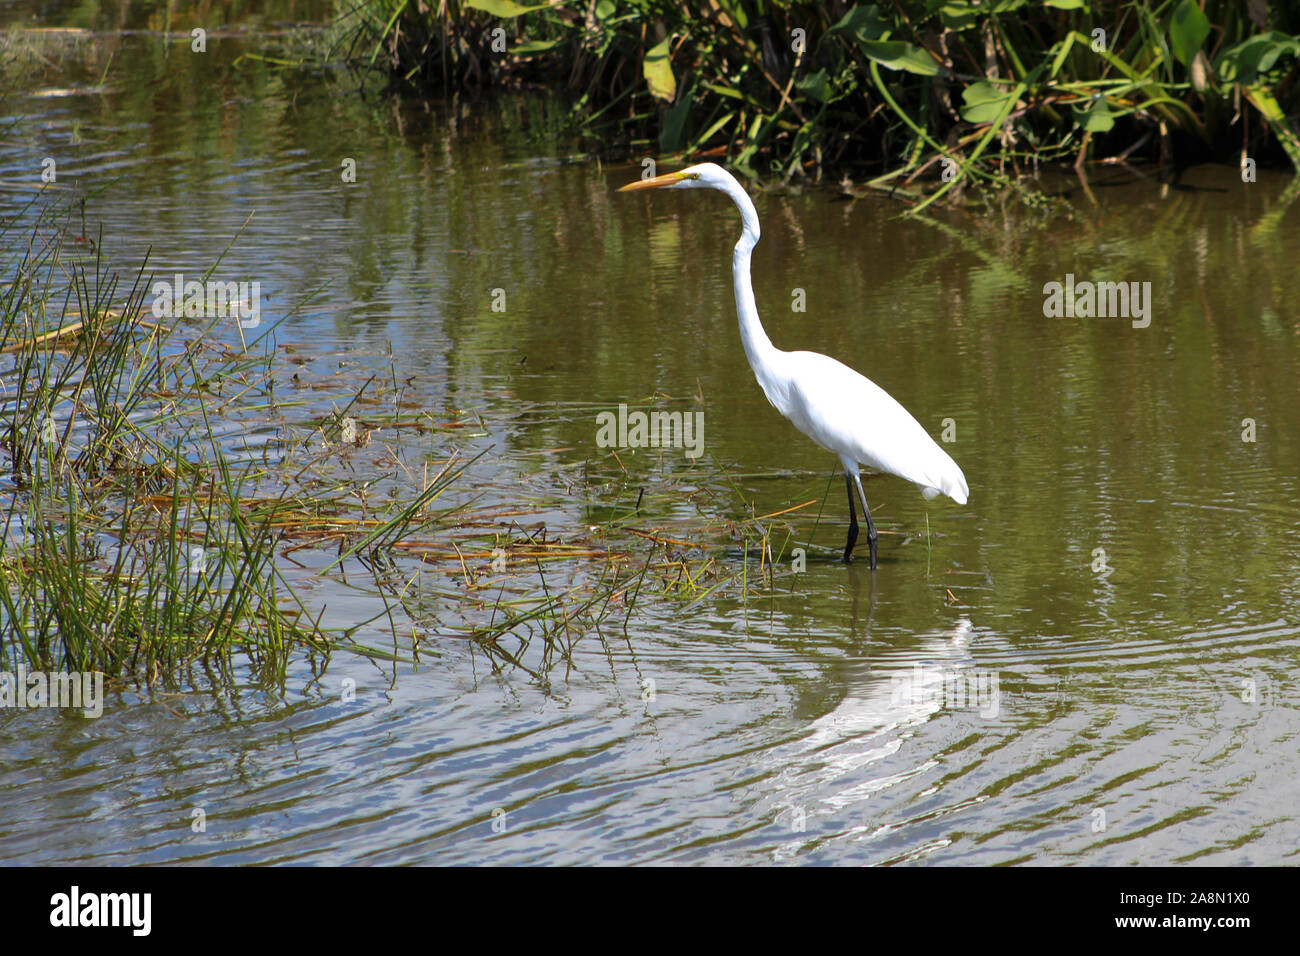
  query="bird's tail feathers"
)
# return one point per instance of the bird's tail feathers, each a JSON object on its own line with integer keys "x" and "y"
{"x": 953, "y": 485}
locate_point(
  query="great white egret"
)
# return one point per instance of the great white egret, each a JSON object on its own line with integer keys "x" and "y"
{"x": 842, "y": 411}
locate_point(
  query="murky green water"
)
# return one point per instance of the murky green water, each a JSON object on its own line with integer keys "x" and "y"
{"x": 1095, "y": 661}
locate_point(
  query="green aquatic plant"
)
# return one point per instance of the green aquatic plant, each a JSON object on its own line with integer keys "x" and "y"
{"x": 948, "y": 92}
{"x": 125, "y": 548}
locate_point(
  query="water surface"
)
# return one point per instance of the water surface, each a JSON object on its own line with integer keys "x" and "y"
{"x": 1125, "y": 573}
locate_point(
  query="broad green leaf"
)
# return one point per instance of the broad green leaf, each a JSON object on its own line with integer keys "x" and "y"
{"x": 604, "y": 9}
{"x": 1188, "y": 29}
{"x": 659, "y": 72}
{"x": 501, "y": 8}
{"x": 1096, "y": 118}
{"x": 1245, "y": 61}
{"x": 1271, "y": 53}
{"x": 864, "y": 23}
{"x": 1065, "y": 4}
{"x": 814, "y": 85}
{"x": 983, "y": 102}
{"x": 898, "y": 55}
{"x": 959, "y": 16}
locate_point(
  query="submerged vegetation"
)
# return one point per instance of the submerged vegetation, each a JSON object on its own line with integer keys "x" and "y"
{"x": 951, "y": 91}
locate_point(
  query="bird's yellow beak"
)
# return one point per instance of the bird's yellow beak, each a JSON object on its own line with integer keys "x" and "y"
{"x": 656, "y": 182}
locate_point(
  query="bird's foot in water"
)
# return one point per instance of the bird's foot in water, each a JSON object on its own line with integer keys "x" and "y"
{"x": 871, "y": 562}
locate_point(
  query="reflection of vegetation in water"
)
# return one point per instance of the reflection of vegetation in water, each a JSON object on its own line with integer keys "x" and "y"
{"x": 953, "y": 91}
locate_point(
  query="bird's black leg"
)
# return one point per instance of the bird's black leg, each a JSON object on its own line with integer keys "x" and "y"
{"x": 853, "y": 524}
{"x": 871, "y": 527}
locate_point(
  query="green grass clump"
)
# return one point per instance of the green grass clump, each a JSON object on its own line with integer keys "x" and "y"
{"x": 125, "y": 546}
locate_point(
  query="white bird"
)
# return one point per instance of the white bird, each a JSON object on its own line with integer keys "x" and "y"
{"x": 840, "y": 410}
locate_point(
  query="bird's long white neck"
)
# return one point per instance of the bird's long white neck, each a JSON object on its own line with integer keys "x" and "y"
{"x": 758, "y": 347}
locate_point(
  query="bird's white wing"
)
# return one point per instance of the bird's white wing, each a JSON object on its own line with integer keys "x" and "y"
{"x": 849, "y": 414}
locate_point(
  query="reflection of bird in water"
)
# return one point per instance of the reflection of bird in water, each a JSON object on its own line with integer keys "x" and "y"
{"x": 829, "y": 768}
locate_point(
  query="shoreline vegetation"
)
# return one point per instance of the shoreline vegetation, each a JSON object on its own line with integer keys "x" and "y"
{"x": 924, "y": 97}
